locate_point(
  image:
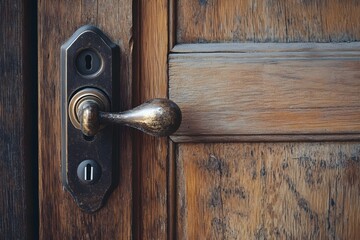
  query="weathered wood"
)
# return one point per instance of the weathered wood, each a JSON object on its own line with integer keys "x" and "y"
{"x": 266, "y": 92}
{"x": 306, "y": 90}
{"x": 150, "y": 154}
{"x": 60, "y": 218}
{"x": 18, "y": 132}
{"x": 143, "y": 201}
{"x": 268, "y": 191}
{"x": 267, "y": 21}
{"x": 264, "y": 138}
{"x": 264, "y": 47}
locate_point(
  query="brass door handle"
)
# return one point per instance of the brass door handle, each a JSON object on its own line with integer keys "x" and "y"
{"x": 88, "y": 112}
{"x": 90, "y": 64}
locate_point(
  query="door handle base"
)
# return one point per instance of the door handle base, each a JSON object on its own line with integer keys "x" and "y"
{"x": 88, "y": 58}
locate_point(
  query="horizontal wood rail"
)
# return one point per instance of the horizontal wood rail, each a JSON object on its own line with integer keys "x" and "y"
{"x": 266, "y": 91}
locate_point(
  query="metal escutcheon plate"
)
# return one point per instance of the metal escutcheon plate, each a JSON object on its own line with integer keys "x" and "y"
{"x": 88, "y": 60}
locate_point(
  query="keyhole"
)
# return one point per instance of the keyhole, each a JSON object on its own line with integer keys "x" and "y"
{"x": 89, "y": 172}
{"x": 88, "y": 60}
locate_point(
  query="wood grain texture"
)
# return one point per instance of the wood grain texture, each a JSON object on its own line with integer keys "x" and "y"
{"x": 150, "y": 154}
{"x": 60, "y": 218}
{"x": 253, "y": 91}
{"x": 18, "y": 132}
{"x": 268, "y": 191}
{"x": 263, "y": 47}
{"x": 267, "y": 21}
{"x": 265, "y": 138}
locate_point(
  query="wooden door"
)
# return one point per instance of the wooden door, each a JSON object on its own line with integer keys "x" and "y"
{"x": 269, "y": 144}
{"x": 270, "y": 94}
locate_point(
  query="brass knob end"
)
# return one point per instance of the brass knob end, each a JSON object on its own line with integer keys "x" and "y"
{"x": 88, "y": 115}
{"x": 158, "y": 117}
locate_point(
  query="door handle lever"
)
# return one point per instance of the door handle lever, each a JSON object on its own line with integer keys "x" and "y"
{"x": 90, "y": 66}
{"x": 158, "y": 117}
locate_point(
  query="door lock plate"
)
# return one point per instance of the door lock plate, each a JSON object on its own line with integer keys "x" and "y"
{"x": 88, "y": 61}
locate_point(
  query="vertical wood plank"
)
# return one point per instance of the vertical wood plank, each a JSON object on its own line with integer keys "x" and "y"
{"x": 18, "y": 133}
{"x": 150, "y": 216}
{"x": 60, "y": 218}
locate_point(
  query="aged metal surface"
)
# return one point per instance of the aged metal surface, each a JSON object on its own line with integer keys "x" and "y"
{"x": 88, "y": 115}
{"x": 80, "y": 97}
{"x": 157, "y": 117}
{"x": 75, "y": 76}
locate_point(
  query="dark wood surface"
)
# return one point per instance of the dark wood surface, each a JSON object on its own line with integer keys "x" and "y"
{"x": 60, "y": 217}
{"x": 18, "y": 134}
{"x": 267, "y": 21}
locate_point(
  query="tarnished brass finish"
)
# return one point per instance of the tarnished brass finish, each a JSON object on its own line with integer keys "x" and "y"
{"x": 157, "y": 117}
{"x": 89, "y": 83}
{"x": 88, "y": 112}
{"x": 88, "y": 60}
{"x": 86, "y": 95}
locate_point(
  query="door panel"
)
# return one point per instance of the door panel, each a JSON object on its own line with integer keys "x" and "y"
{"x": 267, "y": 21}
{"x": 268, "y": 191}
{"x": 60, "y": 217}
{"x": 18, "y": 132}
{"x": 266, "y": 95}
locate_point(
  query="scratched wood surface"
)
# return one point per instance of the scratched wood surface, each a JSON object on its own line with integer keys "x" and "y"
{"x": 257, "y": 93}
{"x": 18, "y": 133}
{"x": 270, "y": 89}
{"x": 60, "y": 218}
{"x": 150, "y": 153}
{"x": 267, "y": 21}
{"x": 268, "y": 191}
